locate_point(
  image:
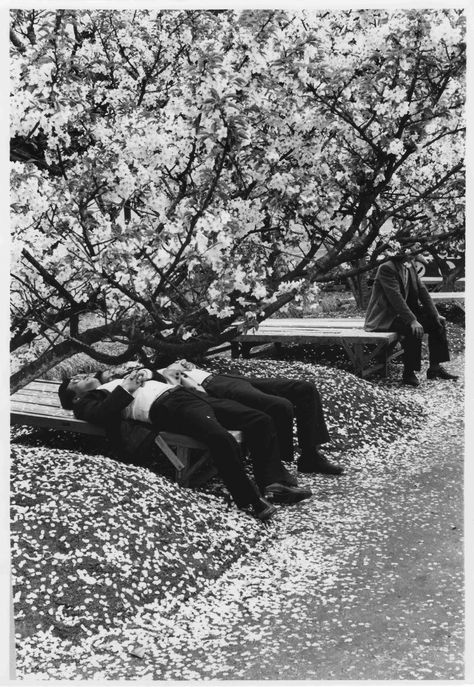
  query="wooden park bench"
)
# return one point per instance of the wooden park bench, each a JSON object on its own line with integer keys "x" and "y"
{"x": 436, "y": 282}
{"x": 369, "y": 352}
{"x": 37, "y": 404}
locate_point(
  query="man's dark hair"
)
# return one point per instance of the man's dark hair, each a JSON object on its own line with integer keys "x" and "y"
{"x": 66, "y": 395}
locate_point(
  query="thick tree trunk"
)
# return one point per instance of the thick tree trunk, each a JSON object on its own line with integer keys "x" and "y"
{"x": 56, "y": 354}
{"x": 449, "y": 278}
{"x": 45, "y": 362}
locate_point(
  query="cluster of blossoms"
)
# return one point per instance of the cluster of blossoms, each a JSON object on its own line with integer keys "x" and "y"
{"x": 192, "y": 167}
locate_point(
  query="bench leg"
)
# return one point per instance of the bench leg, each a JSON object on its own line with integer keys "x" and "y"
{"x": 378, "y": 359}
{"x": 234, "y": 349}
{"x": 391, "y": 354}
{"x": 185, "y": 466}
{"x": 182, "y": 474}
{"x": 367, "y": 362}
{"x": 169, "y": 453}
{"x": 245, "y": 349}
{"x": 355, "y": 353}
{"x": 200, "y": 470}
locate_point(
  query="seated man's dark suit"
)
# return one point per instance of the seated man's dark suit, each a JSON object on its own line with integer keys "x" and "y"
{"x": 398, "y": 299}
{"x": 204, "y": 418}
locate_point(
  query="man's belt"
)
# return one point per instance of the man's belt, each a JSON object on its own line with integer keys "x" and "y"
{"x": 209, "y": 379}
{"x": 163, "y": 396}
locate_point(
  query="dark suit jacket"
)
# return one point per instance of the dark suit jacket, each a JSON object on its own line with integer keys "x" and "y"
{"x": 131, "y": 440}
{"x": 388, "y": 299}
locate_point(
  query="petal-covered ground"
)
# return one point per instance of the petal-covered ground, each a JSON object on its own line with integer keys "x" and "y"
{"x": 121, "y": 574}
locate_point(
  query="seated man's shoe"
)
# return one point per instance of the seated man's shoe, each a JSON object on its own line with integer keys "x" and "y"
{"x": 319, "y": 463}
{"x": 440, "y": 373}
{"x": 286, "y": 493}
{"x": 410, "y": 379}
{"x": 262, "y": 510}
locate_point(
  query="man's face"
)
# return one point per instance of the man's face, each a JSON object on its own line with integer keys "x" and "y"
{"x": 421, "y": 258}
{"x": 80, "y": 384}
{"x": 172, "y": 374}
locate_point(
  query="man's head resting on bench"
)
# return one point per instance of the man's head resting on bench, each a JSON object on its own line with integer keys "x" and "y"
{"x": 73, "y": 388}
{"x": 76, "y": 386}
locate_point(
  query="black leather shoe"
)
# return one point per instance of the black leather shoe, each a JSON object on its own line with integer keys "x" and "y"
{"x": 410, "y": 379}
{"x": 286, "y": 493}
{"x": 263, "y": 510}
{"x": 319, "y": 463}
{"x": 440, "y": 373}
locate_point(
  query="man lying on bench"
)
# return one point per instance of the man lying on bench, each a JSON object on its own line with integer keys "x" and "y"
{"x": 279, "y": 397}
{"x": 175, "y": 409}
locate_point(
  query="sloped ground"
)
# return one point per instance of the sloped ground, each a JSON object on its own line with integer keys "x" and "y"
{"x": 363, "y": 582}
{"x": 112, "y": 560}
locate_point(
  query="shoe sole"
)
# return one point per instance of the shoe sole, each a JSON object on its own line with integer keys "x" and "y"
{"x": 287, "y": 497}
{"x": 266, "y": 514}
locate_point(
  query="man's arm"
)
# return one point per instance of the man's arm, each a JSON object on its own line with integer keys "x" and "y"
{"x": 102, "y": 407}
{"x": 426, "y": 300}
{"x": 388, "y": 280}
{"x": 174, "y": 376}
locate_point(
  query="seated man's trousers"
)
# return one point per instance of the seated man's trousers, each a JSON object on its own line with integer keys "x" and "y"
{"x": 282, "y": 399}
{"x": 437, "y": 341}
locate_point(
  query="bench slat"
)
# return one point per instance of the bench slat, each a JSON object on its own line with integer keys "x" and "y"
{"x": 321, "y": 337}
{"x": 49, "y": 421}
{"x": 315, "y": 322}
{"x": 41, "y": 409}
{"x": 447, "y": 295}
{"x": 34, "y": 396}
{"x": 438, "y": 280}
{"x": 188, "y": 442}
{"x": 45, "y": 385}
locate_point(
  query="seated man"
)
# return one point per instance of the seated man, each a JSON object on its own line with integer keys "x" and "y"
{"x": 278, "y": 397}
{"x": 401, "y": 303}
{"x": 167, "y": 408}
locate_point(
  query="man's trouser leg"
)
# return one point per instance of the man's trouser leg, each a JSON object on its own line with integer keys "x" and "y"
{"x": 260, "y": 437}
{"x": 438, "y": 347}
{"x": 308, "y": 409}
{"x": 183, "y": 412}
{"x": 437, "y": 342}
{"x": 278, "y": 408}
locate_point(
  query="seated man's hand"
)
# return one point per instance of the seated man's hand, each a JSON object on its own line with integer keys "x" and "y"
{"x": 134, "y": 380}
{"x": 441, "y": 319}
{"x": 416, "y": 329}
